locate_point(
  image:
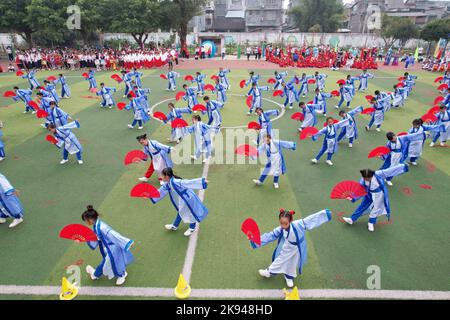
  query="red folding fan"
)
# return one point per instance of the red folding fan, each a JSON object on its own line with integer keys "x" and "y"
{"x": 85, "y": 75}
{"x": 51, "y": 139}
{"x": 368, "y": 111}
{"x": 246, "y": 150}
{"x": 33, "y": 104}
{"x": 19, "y": 73}
{"x": 242, "y": 83}
{"x": 401, "y": 78}
{"x": 277, "y": 93}
{"x": 188, "y": 78}
{"x": 311, "y": 81}
{"x": 249, "y": 101}
{"x": 434, "y": 110}
{"x": 134, "y": 156}
{"x": 180, "y": 95}
{"x": 402, "y": 134}
{"x": 117, "y": 78}
{"x": 340, "y": 81}
{"x": 199, "y": 107}
{"x": 400, "y": 85}
{"x": 250, "y": 228}
{"x": 121, "y": 105}
{"x": 438, "y": 100}
{"x": 179, "y": 123}
{"x": 429, "y": 118}
{"x": 298, "y": 116}
{"x": 438, "y": 79}
{"x": 254, "y": 125}
{"x": 51, "y": 78}
{"x": 163, "y": 76}
{"x": 77, "y": 232}
{"x": 369, "y": 98}
{"x": 94, "y": 90}
{"x": 308, "y": 132}
{"x": 41, "y": 114}
{"x": 159, "y": 115}
{"x": 144, "y": 190}
{"x": 335, "y": 93}
{"x": 209, "y": 87}
{"x": 214, "y": 77}
{"x": 378, "y": 152}
{"x": 347, "y": 189}
{"x": 271, "y": 81}
{"x": 442, "y": 87}
{"x": 9, "y": 94}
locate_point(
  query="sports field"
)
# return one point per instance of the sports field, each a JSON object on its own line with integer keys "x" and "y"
{"x": 412, "y": 250}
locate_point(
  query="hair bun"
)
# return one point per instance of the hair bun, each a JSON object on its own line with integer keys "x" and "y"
{"x": 90, "y": 207}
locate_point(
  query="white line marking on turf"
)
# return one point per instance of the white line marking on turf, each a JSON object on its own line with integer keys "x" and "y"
{"x": 231, "y": 293}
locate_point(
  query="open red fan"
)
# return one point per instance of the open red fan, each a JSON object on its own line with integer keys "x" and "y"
{"x": 254, "y": 125}
{"x": 51, "y": 139}
{"x": 188, "y": 78}
{"x": 134, "y": 156}
{"x": 438, "y": 100}
{"x": 400, "y": 85}
{"x": 250, "y": 228}
{"x": 51, "y": 78}
{"x": 19, "y": 73}
{"x": 246, "y": 150}
{"x": 326, "y": 123}
{"x": 335, "y": 93}
{"x": 311, "y": 81}
{"x": 442, "y": 87}
{"x": 369, "y": 98}
{"x": 180, "y": 95}
{"x": 277, "y": 93}
{"x": 249, "y": 101}
{"x": 41, "y": 114}
{"x": 117, "y": 78}
{"x": 77, "y": 232}
{"x": 9, "y": 94}
{"x": 242, "y": 83}
{"x": 308, "y": 132}
{"x": 378, "y": 152}
{"x": 121, "y": 105}
{"x": 368, "y": 111}
{"x": 347, "y": 189}
{"x": 401, "y": 78}
{"x": 298, "y": 116}
{"x": 214, "y": 77}
{"x": 402, "y": 134}
{"x": 340, "y": 81}
{"x": 94, "y": 90}
{"x": 132, "y": 93}
{"x": 163, "y": 76}
{"x": 271, "y": 81}
{"x": 199, "y": 107}
{"x": 438, "y": 79}
{"x": 159, "y": 115}
{"x": 434, "y": 110}
{"x": 209, "y": 87}
{"x": 33, "y": 104}
{"x": 179, "y": 123}
{"x": 429, "y": 118}
{"x": 144, "y": 190}
{"x": 85, "y": 75}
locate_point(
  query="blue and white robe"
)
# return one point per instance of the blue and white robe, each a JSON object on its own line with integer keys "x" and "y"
{"x": 67, "y": 139}
{"x": 321, "y": 99}
{"x": 127, "y": 78}
{"x": 351, "y": 82}
{"x": 346, "y": 94}
{"x": 10, "y": 206}
{"x": 253, "y": 79}
{"x": 309, "y": 115}
{"x": 159, "y": 155}
{"x": 398, "y": 97}
{"x": 191, "y": 97}
{"x": 114, "y": 248}
{"x": 363, "y": 80}
{"x": 31, "y": 77}
{"x": 399, "y": 149}
{"x": 275, "y": 165}
{"x": 177, "y": 113}
{"x": 202, "y": 138}
{"x": 303, "y": 81}
{"x": 52, "y": 89}
{"x": 138, "y": 78}
{"x": 107, "y": 96}
{"x": 65, "y": 90}
{"x": 58, "y": 117}
{"x": 414, "y": 148}
{"x": 385, "y": 102}
{"x": 320, "y": 81}
{"x": 279, "y": 77}
{"x": 213, "y": 112}
{"x": 91, "y": 79}
{"x": 223, "y": 80}
{"x": 2, "y": 146}
{"x": 290, "y": 93}
{"x": 376, "y": 201}
{"x": 266, "y": 124}
{"x": 446, "y": 79}
{"x": 185, "y": 201}
{"x": 143, "y": 93}
{"x": 45, "y": 105}
{"x": 138, "y": 106}
{"x": 257, "y": 97}
{"x": 26, "y": 96}
{"x": 330, "y": 133}
{"x": 378, "y": 116}
{"x": 350, "y": 131}
{"x": 291, "y": 252}
{"x": 221, "y": 93}
{"x": 444, "y": 120}
{"x": 200, "y": 80}
{"x": 171, "y": 79}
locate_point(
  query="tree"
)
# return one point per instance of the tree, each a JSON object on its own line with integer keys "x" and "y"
{"x": 177, "y": 14}
{"x": 435, "y": 30}
{"x": 397, "y": 28}
{"x": 13, "y": 19}
{"x": 324, "y": 15}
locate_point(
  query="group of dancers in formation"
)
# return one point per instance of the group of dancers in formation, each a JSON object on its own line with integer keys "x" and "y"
{"x": 290, "y": 253}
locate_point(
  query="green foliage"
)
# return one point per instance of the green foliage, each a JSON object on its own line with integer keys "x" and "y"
{"x": 435, "y": 30}
{"x": 318, "y": 15}
{"x": 398, "y": 28}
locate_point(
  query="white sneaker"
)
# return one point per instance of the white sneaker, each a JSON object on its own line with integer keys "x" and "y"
{"x": 33, "y": 112}
{"x": 348, "y": 220}
{"x": 371, "y": 227}
{"x": 276, "y": 185}
{"x": 25, "y": 112}
{"x": 442, "y": 144}
{"x": 257, "y": 182}
{"x": 413, "y": 163}
{"x": 206, "y": 160}
{"x": 63, "y": 161}
{"x": 337, "y": 107}
{"x": 143, "y": 179}
{"x": 161, "y": 183}
{"x": 264, "y": 273}
{"x": 432, "y": 144}
{"x": 170, "y": 227}
{"x": 324, "y": 114}
{"x": 90, "y": 270}
{"x": 140, "y": 128}
{"x": 300, "y": 129}
{"x": 367, "y": 128}
{"x": 2, "y": 158}
{"x": 2, "y": 220}
{"x": 43, "y": 125}
{"x": 291, "y": 107}
{"x": 350, "y": 145}
{"x": 249, "y": 113}
{"x": 80, "y": 161}
{"x": 389, "y": 183}
{"x": 314, "y": 160}
{"x": 329, "y": 162}
{"x": 110, "y": 107}
{"x": 289, "y": 282}
{"x": 121, "y": 280}
{"x": 189, "y": 232}
{"x": 130, "y": 126}
{"x": 378, "y": 129}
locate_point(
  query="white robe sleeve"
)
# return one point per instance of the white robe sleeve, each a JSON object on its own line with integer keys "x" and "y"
{"x": 316, "y": 219}
{"x": 198, "y": 184}
{"x": 269, "y": 237}
{"x": 392, "y": 171}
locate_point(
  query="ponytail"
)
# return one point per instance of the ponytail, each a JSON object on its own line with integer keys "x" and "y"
{"x": 168, "y": 172}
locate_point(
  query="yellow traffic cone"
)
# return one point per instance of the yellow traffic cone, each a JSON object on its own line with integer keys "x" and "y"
{"x": 183, "y": 289}
{"x": 293, "y": 295}
{"x": 68, "y": 290}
